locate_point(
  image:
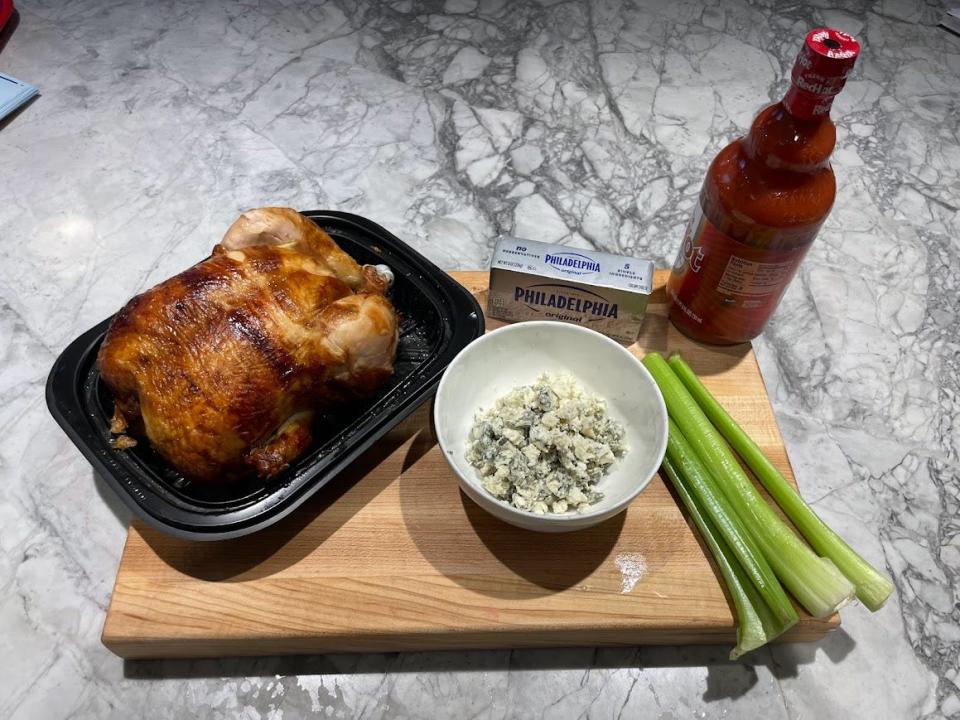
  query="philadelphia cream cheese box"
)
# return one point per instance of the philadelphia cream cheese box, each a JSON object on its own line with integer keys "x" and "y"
{"x": 538, "y": 281}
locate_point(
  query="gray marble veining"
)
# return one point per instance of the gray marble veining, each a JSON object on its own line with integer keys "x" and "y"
{"x": 588, "y": 123}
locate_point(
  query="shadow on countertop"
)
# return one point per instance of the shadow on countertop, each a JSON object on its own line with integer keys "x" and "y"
{"x": 18, "y": 112}
{"x": 726, "y": 679}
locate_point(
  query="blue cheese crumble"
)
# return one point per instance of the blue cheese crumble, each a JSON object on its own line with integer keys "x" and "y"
{"x": 543, "y": 447}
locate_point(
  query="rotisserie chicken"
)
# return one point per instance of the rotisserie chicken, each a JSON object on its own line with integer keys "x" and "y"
{"x": 223, "y": 366}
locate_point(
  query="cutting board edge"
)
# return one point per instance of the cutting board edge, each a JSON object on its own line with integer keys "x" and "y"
{"x": 147, "y": 648}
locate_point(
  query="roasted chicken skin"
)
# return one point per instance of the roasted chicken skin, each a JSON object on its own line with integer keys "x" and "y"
{"x": 223, "y": 366}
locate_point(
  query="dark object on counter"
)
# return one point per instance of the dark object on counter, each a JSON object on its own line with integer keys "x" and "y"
{"x": 439, "y": 318}
{"x": 951, "y": 21}
{"x": 762, "y": 204}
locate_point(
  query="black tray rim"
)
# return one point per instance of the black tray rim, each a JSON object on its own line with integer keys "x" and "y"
{"x": 70, "y": 416}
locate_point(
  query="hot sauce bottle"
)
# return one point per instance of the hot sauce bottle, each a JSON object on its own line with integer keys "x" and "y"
{"x": 764, "y": 198}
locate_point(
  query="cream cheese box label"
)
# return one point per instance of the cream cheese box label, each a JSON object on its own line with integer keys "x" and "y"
{"x": 537, "y": 281}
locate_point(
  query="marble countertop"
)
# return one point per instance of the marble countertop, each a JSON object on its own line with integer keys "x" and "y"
{"x": 588, "y": 123}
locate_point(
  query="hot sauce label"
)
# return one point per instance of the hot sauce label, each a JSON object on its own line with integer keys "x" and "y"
{"x": 716, "y": 275}
{"x": 744, "y": 277}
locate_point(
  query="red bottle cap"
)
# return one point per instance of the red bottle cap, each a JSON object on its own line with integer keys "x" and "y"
{"x": 821, "y": 69}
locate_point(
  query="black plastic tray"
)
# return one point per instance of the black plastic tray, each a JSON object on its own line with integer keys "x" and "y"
{"x": 439, "y": 317}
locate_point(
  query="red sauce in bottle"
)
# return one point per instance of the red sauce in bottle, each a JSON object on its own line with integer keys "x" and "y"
{"x": 763, "y": 200}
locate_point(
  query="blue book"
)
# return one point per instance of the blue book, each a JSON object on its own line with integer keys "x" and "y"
{"x": 14, "y": 93}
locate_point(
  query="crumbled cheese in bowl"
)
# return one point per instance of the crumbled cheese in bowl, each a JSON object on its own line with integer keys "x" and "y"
{"x": 543, "y": 447}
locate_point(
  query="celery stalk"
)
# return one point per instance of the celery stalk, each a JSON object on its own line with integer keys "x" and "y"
{"x": 814, "y": 581}
{"x": 872, "y": 587}
{"x": 730, "y": 527}
{"x": 756, "y": 625}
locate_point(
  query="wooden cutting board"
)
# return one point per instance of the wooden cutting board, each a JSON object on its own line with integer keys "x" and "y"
{"x": 391, "y": 556}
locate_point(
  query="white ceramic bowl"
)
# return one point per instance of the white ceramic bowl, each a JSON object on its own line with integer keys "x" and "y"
{"x": 496, "y": 363}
